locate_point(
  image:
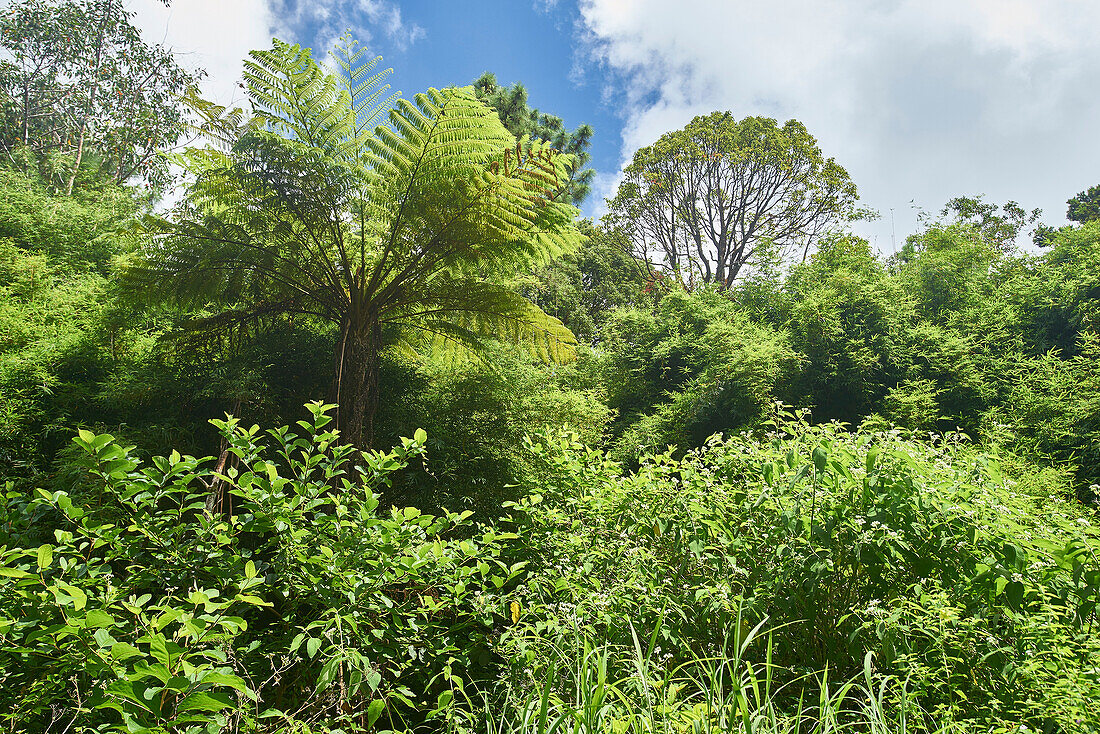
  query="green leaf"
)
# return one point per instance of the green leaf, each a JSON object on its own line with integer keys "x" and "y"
{"x": 124, "y": 651}
{"x": 253, "y": 600}
{"x": 80, "y": 599}
{"x": 230, "y": 681}
{"x": 104, "y": 639}
{"x": 156, "y": 670}
{"x": 125, "y": 690}
{"x": 1014, "y": 592}
{"x": 99, "y": 618}
{"x": 45, "y": 556}
{"x": 820, "y": 458}
{"x": 872, "y": 458}
{"x": 374, "y": 711}
{"x": 158, "y": 648}
{"x": 13, "y": 573}
{"x": 205, "y": 701}
{"x": 328, "y": 674}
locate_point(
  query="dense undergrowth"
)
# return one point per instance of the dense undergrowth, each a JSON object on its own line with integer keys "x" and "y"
{"x": 606, "y": 521}
{"x": 806, "y": 578}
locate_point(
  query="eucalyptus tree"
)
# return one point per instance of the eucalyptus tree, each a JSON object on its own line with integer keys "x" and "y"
{"x": 703, "y": 202}
{"x": 79, "y": 86}
{"x": 403, "y": 233}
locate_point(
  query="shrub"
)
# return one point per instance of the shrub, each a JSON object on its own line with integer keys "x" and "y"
{"x": 200, "y": 596}
{"x": 976, "y": 586}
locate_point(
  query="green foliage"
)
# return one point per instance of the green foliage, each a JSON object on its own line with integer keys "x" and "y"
{"x": 81, "y": 91}
{"x": 1054, "y": 406}
{"x": 477, "y": 415}
{"x": 946, "y": 268}
{"x": 705, "y": 203}
{"x": 510, "y": 104}
{"x": 784, "y": 577}
{"x": 694, "y": 367}
{"x": 850, "y": 320}
{"x": 1062, "y": 296}
{"x": 584, "y": 287}
{"x": 75, "y": 233}
{"x": 1085, "y": 207}
{"x": 936, "y": 582}
{"x": 913, "y": 404}
{"x": 998, "y": 228}
{"x": 973, "y": 585}
{"x": 194, "y": 597}
{"x": 55, "y": 254}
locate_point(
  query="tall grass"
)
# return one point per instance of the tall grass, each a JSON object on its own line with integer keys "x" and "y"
{"x": 609, "y": 689}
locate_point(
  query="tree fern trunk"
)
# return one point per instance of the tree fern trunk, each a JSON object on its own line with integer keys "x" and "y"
{"x": 359, "y": 357}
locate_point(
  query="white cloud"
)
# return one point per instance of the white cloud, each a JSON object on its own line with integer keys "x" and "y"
{"x": 327, "y": 20}
{"x": 388, "y": 16}
{"x": 918, "y": 99}
{"x": 214, "y": 35}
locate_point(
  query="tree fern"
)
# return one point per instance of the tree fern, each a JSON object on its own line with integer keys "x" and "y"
{"x": 309, "y": 206}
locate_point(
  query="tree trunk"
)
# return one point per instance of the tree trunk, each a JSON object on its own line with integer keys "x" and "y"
{"x": 100, "y": 41}
{"x": 358, "y": 358}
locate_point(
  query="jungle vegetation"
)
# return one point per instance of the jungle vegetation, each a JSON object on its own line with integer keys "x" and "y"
{"x": 370, "y": 431}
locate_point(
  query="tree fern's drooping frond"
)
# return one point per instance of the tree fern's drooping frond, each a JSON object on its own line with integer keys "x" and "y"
{"x": 457, "y": 314}
{"x": 218, "y": 124}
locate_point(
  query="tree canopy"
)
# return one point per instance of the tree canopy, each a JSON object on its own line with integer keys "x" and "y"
{"x": 1085, "y": 206}
{"x": 704, "y": 202}
{"x": 510, "y": 104}
{"x": 81, "y": 86}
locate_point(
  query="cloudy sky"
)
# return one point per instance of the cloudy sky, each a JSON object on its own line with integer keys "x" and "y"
{"x": 921, "y": 100}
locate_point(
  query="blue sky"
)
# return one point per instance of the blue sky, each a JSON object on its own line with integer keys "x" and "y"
{"x": 426, "y": 42}
{"x": 517, "y": 41}
{"x": 920, "y": 100}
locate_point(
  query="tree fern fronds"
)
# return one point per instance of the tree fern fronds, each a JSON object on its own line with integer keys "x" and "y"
{"x": 366, "y": 87}
{"x": 218, "y": 124}
{"x": 407, "y": 226}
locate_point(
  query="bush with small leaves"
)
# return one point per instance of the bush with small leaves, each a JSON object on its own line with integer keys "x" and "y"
{"x": 258, "y": 591}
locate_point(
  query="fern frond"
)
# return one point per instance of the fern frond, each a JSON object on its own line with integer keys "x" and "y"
{"x": 310, "y": 206}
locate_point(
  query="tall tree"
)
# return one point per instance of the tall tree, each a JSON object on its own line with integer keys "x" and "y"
{"x": 703, "y": 202}
{"x": 80, "y": 82}
{"x": 402, "y": 232}
{"x": 1085, "y": 207}
{"x": 521, "y": 119}
{"x": 999, "y": 226}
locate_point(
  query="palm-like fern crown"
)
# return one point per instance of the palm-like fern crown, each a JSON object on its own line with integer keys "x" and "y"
{"x": 311, "y": 206}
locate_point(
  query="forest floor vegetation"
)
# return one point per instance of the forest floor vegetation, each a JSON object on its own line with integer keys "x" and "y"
{"x": 798, "y": 579}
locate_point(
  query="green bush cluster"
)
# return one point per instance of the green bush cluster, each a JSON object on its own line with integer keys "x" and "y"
{"x": 964, "y": 575}
{"x": 262, "y": 589}
{"x": 269, "y": 589}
